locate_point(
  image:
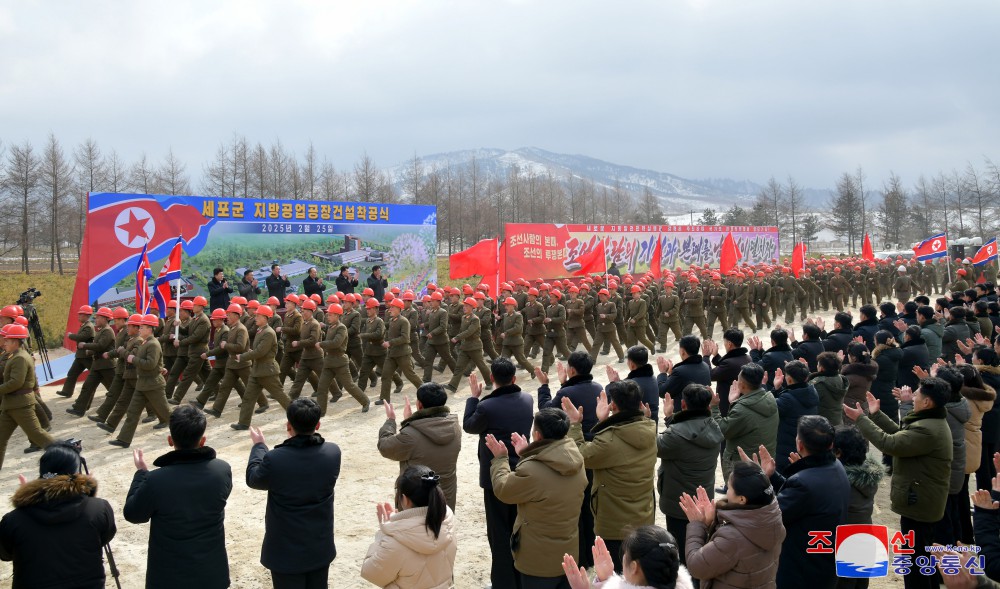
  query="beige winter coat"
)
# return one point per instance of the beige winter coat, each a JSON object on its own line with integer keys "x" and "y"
{"x": 406, "y": 555}
{"x": 980, "y": 401}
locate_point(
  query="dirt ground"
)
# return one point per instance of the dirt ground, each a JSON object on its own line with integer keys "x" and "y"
{"x": 365, "y": 478}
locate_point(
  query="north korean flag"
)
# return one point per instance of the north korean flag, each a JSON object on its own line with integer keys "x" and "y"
{"x": 119, "y": 225}
{"x": 986, "y": 253}
{"x": 935, "y": 246}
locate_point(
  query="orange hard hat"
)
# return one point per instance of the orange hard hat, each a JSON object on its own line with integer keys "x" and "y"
{"x": 409, "y": 296}
{"x": 21, "y": 320}
{"x": 265, "y": 311}
{"x": 136, "y": 319}
{"x": 235, "y": 308}
{"x": 106, "y": 313}
{"x": 151, "y": 320}
{"x": 187, "y": 305}
{"x": 219, "y": 314}
{"x": 316, "y": 298}
{"x": 273, "y": 301}
{"x": 9, "y": 311}
{"x": 200, "y": 301}
{"x": 437, "y": 296}
{"x": 533, "y": 291}
{"x": 120, "y": 313}
{"x": 471, "y": 302}
{"x": 398, "y": 303}
{"x": 292, "y": 298}
{"x": 510, "y": 301}
{"x": 479, "y": 295}
{"x": 335, "y": 309}
{"x": 254, "y": 304}
{"x": 371, "y": 303}
{"x": 239, "y": 300}
{"x": 309, "y": 305}
{"x": 85, "y": 310}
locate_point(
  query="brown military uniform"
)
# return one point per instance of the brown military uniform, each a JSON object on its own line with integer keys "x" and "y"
{"x": 149, "y": 387}
{"x": 534, "y": 334}
{"x": 470, "y": 351}
{"x": 607, "y": 331}
{"x": 81, "y": 360}
{"x": 263, "y": 374}
{"x": 717, "y": 296}
{"x": 237, "y": 373}
{"x": 310, "y": 357}
{"x": 119, "y": 380}
{"x": 576, "y": 327}
{"x": 694, "y": 311}
{"x": 511, "y": 328}
{"x": 335, "y": 370}
{"x": 372, "y": 336}
{"x": 485, "y": 315}
{"x": 741, "y": 304}
{"x": 129, "y": 377}
{"x": 555, "y": 334}
{"x": 354, "y": 322}
{"x": 17, "y": 402}
{"x": 638, "y": 322}
{"x": 102, "y": 370}
{"x": 199, "y": 329}
{"x": 398, "y": 357}
{"x": 668, "y": 319}
{"x": 437, "y": 342}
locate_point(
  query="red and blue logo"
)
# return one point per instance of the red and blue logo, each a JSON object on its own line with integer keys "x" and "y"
{"x": 862, "y": 551}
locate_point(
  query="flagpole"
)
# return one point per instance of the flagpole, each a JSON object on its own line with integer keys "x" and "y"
{"x": 177, "y": 317}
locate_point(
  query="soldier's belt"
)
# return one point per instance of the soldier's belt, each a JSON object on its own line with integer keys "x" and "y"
{"x": 21, "y": 392}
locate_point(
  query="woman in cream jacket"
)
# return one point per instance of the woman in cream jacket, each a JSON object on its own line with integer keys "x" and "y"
{"x": 415, "y": 547}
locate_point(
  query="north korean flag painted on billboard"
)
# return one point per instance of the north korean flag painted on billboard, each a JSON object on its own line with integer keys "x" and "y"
{"x": 120, "y": 225}
{"x": 935, "y": 246}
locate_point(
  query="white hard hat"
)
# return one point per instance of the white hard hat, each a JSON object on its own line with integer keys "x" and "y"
{"x": 901, "y": 269}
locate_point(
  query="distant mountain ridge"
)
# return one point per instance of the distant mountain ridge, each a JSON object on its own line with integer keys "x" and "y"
{"x": 676, "y": 194}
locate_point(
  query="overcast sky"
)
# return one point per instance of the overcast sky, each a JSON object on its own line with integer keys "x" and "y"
{"x": 698, "y": 88}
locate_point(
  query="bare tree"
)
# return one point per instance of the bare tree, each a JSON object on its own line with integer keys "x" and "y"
{"x": 844, "y": 206}
{"x": 859, "y": 179}
{"x": 217, "y": 174}
{"x": 116, "y": 172}
{"x": 57, "y": 181}
{"x": 981, "y": 199}
{"x": 142, "y": 178}
{"x": 770, "y": 198}
{"x": 310, "y": 173}
{"x": 92, "y": 178}
{"x": 793, "y": 204}
{"x": 171, "y": 175}
{"x": 891, "y": 214}
{"x": 364, "y": 182}
{"x": 22, "y": 182}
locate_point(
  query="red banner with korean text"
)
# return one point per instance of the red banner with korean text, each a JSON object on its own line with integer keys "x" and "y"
{"x": 544, "y": 250}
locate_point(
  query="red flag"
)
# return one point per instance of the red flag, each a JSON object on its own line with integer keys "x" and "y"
{"x": 867, "y": 252}
{"x": 729, "y": 255}
{"x": 798, "y": 258}
{"x": 656, "y": 261}
{"x": 594, "y": 261}
{"x": 143, "y": 275}
{"x": 501, "y": 267}
{"x": 480, "y": 259}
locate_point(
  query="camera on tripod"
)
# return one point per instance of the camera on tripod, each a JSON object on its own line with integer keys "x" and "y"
{"x": 28, "y": 296}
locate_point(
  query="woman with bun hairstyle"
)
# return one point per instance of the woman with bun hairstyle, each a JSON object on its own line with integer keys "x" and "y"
{"x": 649, "y": 561}
{"x": 416, "y": 543}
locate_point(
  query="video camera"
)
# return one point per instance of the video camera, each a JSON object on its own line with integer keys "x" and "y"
{"x": 28, "y": 296}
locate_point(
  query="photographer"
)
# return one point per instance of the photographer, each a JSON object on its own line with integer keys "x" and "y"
{"x": 218, "y": 290}
{"x": 187, "y": 539}
{"x": 58, "y": 527}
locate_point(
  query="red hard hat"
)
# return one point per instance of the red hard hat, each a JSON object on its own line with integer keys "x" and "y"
{"x": 106, "y": 313}
{"x": 471, "y": 302}
{"x": 604, "y": 292}
{"x": 506, "y": 286}
{"x": 467, "y": 289}
{"x": 316, "y": 299}
{"x": 426, "y": 299}
{"x": 409, "y": 296}
{"x": 368, "y": 292}
{"x": 437, "y": 296}
{"x": 574, "y": 288}
{"x": 200, "y": 301}
{"x": 137, "y": 320}
{"x": 389, "y": 297}
{"x": 479, "y": 295}
{"x": 120, "y": 313}
{"x": 394, "y": 290}
{"x": 533, "y": 291}
{"x": 716, "y": 276}
{"x": 694, "y": 279}
{"x": 188, "y": 305}
{"x": 235, "y": 308}
{"x": 555, "y": 293}
{"x": 431, "y": 286}
{"x": 544, "y": 286}
{"x": 668, "y": 284}
{"x": 219, "y": 314}
{"x": 292, "y": 298}
{"x": 9, "y": 311}
{"x": 265, "y": 311}
{"x": 836, "y": 270}
{"x": 635, "y": 288}
{"x": 585, "y": 286}
{"x": 21, "y": 320}
{"x": 85, "y": 310}
{"x": 510, "y": 301}
{"x": 309, "y": 305}
{"x": 398, "y": 303}
{"x": 273, "y": 301}
{"x": 332, "y": 299}
{"x": 254, "y": 304}
{"x": 484, "y": 286}
{"x": 15, "y": 331}
{"x": 371, "y": 303}
{"x": 335, "y": 309}
{"x": 151, "y": 320}
{"x": 239, "y": 300}
{"x": 962, "y": 272}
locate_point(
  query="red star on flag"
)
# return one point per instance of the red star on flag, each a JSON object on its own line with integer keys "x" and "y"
{"x": 135, "y": 227}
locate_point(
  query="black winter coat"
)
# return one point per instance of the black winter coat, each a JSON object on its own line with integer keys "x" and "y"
{"x": 643, "y": 376}
{"x": 814, "y": 494}
{"x": 727, "y": 369}
{"x": 218, "y": 295}
{"x": 986, "y": 528}
{"x": 867, "y": 330}
{"x": 56, "y": 532}
{"x": 689, "y": 370}
{"x": 346, "y": 284}
{"x": 378, "y": 286}
{"x": 991, "y": 419}
{"x": 187, "y": 538}
{"x": 915, "y": 353}
{"x": 311, "y": 286}
{"x": 299, "y": 476}
{"x": 793, "y": 402}
{"x": 276, "y": 286}
{"x": 504, "y": 411}
{"x": 582, "y": 391}
{"x": 808, "y": 351}
{"x": 771, "y": 360}
{"x": 888, "y": 360}
{"x": 887, "y": 323}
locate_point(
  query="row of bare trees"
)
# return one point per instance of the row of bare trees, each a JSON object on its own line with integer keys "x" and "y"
{"x": 44, "y": 192}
